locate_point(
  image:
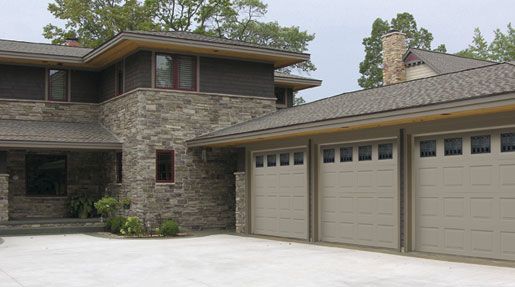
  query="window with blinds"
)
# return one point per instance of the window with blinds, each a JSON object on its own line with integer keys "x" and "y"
{"x": 58, "y": 85}
{"x": 176, "y": 72}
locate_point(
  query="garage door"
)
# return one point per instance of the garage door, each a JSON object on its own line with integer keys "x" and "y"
{"x": 280, "y": 194}
{"x": 465, "y": 194}
{"x": 359, "y": 194}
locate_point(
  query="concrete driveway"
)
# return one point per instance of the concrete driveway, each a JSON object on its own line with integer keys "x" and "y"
{"x": 222, "y": 260}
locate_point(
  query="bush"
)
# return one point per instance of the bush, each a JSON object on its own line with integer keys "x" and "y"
{"x": 132, "y": 227}
{"x": 115, "y": 224}
{"x": 81, "y": 205}
{"x": 107, "y": 206}
{"x": 169, "y": 228}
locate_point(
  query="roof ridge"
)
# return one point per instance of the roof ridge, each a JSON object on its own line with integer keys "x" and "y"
{"x": 454, "y": 55}
{"x": 48, "y": 44}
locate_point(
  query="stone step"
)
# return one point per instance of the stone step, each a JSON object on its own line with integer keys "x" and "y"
{"x": 50, "y": 226}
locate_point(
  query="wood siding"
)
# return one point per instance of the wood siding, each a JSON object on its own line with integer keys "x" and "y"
{"x": 84, "y": 86}
{"x": 107, "y": 83}
{"x": 236, "y": 77}
{"x": 22, "y": 82}
{"x": 419, "y": 72}
{"x": 138, "y": 71}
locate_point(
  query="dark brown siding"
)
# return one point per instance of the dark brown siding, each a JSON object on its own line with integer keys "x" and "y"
{"x": 107, "y": 83}
{"x": 84, "y": 86}
{"x": 138, "y": 71}
{"x": 21, "y": 82}
{"x": 289, "y": 97}
{"x": 236, "y": 77}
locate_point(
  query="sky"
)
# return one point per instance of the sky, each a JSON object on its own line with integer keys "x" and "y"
{"x": 339, "y": 26}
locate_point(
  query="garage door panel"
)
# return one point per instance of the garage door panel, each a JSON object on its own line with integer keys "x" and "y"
{"x": 465, "y": 204}
{"x": 279, "y": 197}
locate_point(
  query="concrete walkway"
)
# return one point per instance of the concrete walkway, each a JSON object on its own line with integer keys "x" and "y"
{"x": 222, "y": 260}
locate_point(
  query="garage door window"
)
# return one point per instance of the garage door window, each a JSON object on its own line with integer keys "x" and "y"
{"x": 328, "y": 155}
{"x": 298, "y": 158}
{"x": 271, "y": 160}
{"x": 365, "y": 153}
{"x": 428, "y": 148}
{"x": 284, "y": 159}
{"x": 345, "y": 154}
{"x": 508, "y": 142}
{"x": 259, "y": 161}
{"x": 453, "y": 146}
{"x": 480, "y": 144}
{"x": 385, "y": 151}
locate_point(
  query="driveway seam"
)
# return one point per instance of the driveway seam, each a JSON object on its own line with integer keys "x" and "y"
{"x": 14, "y": 279}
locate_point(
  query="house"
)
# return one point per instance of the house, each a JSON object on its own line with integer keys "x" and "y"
{"x": 114, "y": 120}
{"x": 424, "y": 163}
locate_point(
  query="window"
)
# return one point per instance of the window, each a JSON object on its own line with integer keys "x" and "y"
{"x": 385, "y": 151}
{"x": 280, "y": 95}
{"x": 345, "y": 154}
{"x": 365, "y": 153}
{"x": 479, "y": 144}
{"x": 165, "y": 165}
{"x": 271, "y": 160}
{"x": 328, "y": 155}
{"x": 453, "y": 146}
{"x": 428, "y": 148}
{"x": 176, "y": 72}
{"x": 508, "y": 142}
{"x": 284, "y": 159}
{"x": 119, "y": 167}
{"x": 46, "y": 175}
{"x": 58, "y": 85}
{"x": 298, "y": 158}
{"x": 259, "y": 161}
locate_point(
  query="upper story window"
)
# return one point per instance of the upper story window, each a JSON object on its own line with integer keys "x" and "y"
{"x": 176, "y": 72}
{"x": 58, "y": 85}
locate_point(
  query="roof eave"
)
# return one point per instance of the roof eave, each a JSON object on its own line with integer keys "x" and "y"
{"x": 297, "y": 84}
{"x": 65, "y": 145}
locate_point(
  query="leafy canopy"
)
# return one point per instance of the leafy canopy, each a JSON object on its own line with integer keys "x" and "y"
{"x": 501, "y": 49}
{"x": 371, "y": 68}
{"x": 96, "y": 21}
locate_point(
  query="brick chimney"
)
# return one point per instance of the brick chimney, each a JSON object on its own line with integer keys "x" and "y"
{"x": 394, "y": 47}
{"x": 72, "y": 42}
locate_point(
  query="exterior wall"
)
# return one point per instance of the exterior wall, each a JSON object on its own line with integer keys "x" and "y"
{"x": 147, "y": 120}
{"x": 241, "y": 202}
{"x": 22, "y": 82}
{"x": 418, "y": 72}
{"x": 138, "y": 71}
{"x": 4, "y": 197}
{"x": 107, "y": 83}
{"x": 85, "y": 173}
{"x": 84, "y": 86}
{"x": 48, "y": 111}
{"x": 236, "y": 77}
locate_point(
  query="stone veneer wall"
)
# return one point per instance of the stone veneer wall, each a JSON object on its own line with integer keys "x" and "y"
{"x": 241, "y": 202}
{"x": 48, "y": 111}
{"x": 147, "y": 120}
{"x": 4, "y": 193}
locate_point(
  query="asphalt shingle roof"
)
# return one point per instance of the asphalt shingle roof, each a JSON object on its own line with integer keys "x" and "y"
{"x": 464, "y": 85}
{"x": 42, "y": 48}
{"x": 444, "y": 63}
{"x": 59, "y": 132}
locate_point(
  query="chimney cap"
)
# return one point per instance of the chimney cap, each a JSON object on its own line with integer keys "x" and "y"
{"x": 393, "y": 32}
{"x": 72, "y": 42}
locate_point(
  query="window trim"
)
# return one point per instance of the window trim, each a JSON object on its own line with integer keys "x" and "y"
{"x": 66, "y": 85}
{"x": 175, "y": 72}
{"x": 172, "y": 154}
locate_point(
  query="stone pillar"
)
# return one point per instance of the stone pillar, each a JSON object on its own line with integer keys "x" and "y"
{"x": 4, "y": 197}
{"x": 394, "y": 47}
{"x": 241, "y": 202}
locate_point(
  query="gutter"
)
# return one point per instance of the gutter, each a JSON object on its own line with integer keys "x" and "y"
{"x": 54, "y": 145}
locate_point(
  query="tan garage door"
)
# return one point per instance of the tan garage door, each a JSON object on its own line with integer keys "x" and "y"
{"x": 465, "y": 194}
{"x": 280, "y": 194}
{"x": 358, "y": 199}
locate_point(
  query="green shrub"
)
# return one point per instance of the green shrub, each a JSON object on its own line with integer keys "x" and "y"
{"x": 126, "y": 203}
{"x": 169, "y": 228}
{"x": 115, "y": 224}
{"x": 132, "y": 227}
{"x": 81, "y": 205}
{"x": 107, "y": 206}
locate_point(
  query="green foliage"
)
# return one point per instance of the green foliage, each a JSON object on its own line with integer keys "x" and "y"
{"x": 81, "y": 205}
{"x": 132, "y": 227}
{"x": 371, "y": 68}
{"x": 126, "y": 203}
{"x": 115, "y": 224}
{"x": 501, "y": 49}
{"x": 169, "y": 228}
{"x": 95, "y": 21}
{"x": 298, "y": 100}
{"x": 107, "y": 206}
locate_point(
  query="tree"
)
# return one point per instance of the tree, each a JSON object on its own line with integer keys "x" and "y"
{"x": 298, "y": 100}
{"x": 96, "y": 21}
{"x": 502, "y": 47}
{"x": 371, "y": 68}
